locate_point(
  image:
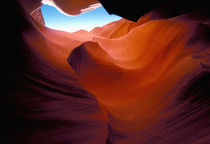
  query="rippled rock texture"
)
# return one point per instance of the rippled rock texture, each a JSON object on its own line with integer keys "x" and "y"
{"x": 144, "y": 82}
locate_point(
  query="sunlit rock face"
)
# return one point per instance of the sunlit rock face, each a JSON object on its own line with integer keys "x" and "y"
{"x": 127, "y": 82}
{"x": 73, "y": 7}
{"x": 142, "y": 77}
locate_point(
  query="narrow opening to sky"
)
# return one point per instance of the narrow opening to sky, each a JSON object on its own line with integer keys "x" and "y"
{"x": 87, "y": 21}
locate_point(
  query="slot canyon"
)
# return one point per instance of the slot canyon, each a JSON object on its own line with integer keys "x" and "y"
{"x": 143, "y": 79}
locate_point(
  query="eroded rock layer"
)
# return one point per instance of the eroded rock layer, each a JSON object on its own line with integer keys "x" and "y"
{"x": 123, "y": 83}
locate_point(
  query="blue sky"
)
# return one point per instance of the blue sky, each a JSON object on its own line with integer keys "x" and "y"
{"x": 56, "y": 20}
